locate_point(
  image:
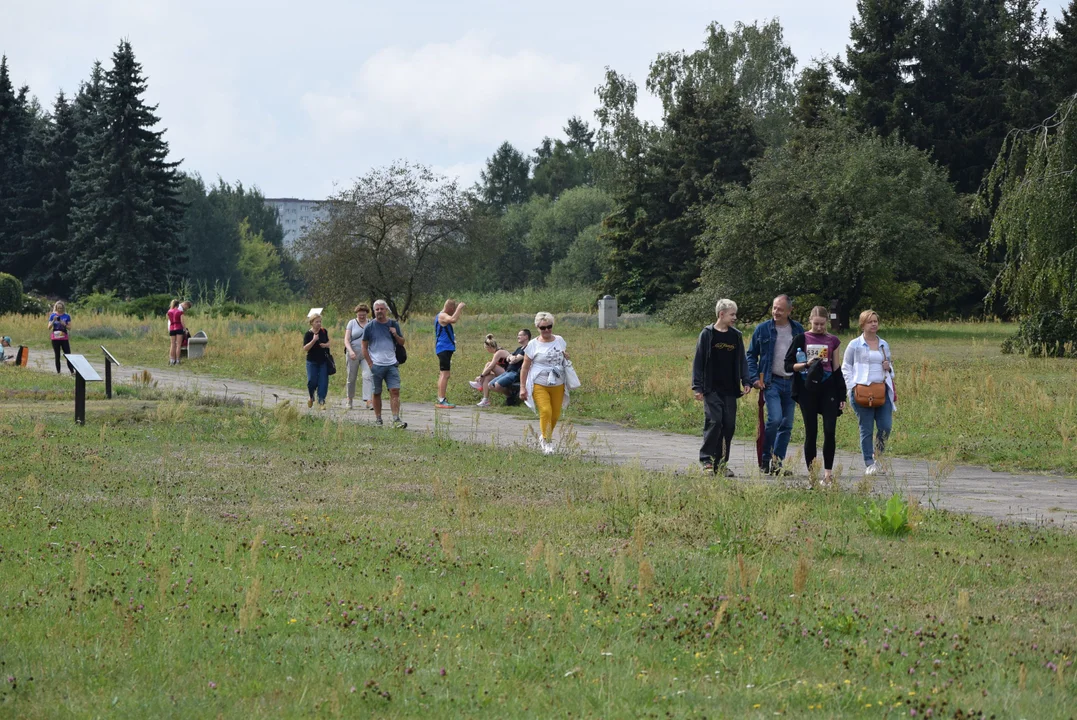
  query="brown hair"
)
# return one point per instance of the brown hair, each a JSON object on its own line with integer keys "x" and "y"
{"x": 491, "y": 343}
{"x": 363, "y": 307}
{"x": 865, "y": 316}
{"x": 819, "y": 311}
{"x": 450, "y": 306}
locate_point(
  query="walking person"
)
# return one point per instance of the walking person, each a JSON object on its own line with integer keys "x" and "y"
{"x": 59, "y": 332}
{"x": 316, "y": 346}
{"x": 719, "y": 377}
{"x": 818, "y": 387}
{"x": 445, "y": 346}
{"x": 380, "y": 339}
{"x": 542, "y": 378}
{"x": 353, "y": 348}
{"x": 491, "y": 371}
{"x": 176, "y": 329}
{"x": 770, "y": 342}
{"x": 869, "y": 375}
{"x": 506, "y": 381}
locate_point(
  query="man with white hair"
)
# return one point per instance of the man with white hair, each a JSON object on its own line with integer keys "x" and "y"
{"x": 719, "y": 378}
{"x": 380, "y": 339}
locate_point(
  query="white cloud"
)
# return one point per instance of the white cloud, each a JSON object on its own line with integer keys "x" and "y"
{"x": 461, "y": 93}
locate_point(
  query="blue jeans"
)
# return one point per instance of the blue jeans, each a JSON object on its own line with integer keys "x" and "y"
{"x": 318, "y": 379}
{"x": 780, "y": 412}
{"x": 881, "y": 418}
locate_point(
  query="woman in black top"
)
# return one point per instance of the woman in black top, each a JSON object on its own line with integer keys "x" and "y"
{"x": 316, "y": 346}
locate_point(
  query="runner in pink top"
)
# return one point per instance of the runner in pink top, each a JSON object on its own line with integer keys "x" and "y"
{"x": 176, "y": 329}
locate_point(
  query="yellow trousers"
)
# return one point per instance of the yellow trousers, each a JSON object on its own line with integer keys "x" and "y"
{"x": 548, "y": 402}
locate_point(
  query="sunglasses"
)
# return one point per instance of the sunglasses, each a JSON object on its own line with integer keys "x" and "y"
{"x": 545, "y": 327}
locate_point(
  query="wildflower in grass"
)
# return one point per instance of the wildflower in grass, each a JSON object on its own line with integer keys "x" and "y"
{"x": 212, "y": 685}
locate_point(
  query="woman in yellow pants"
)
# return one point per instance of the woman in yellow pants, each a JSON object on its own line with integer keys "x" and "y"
{"x": 542, "y": 378}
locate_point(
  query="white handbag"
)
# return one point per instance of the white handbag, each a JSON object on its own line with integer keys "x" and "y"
{"x": 572, "y": 380}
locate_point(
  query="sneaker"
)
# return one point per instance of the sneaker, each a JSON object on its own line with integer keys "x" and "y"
{"x": 764, "y": 468}
{"x": 707, "y": 468}
{"x": 370, "y": 406}
{"x": 475, "y": 385}
{"x": 728, "y": 472}
{"x": 548, "y": 448}
{"x": 310, "y": 402}
{"x": 871, "y": 469}
{"x": 349, "y": 403}
{"x": 378, "y": 422}
{"x": 485, "y": 402}
{"x": 321, "y": 405}
{"x": 826, "y": 481}
{"x": 444, "y": 404}
{"x": 399, "y": 424}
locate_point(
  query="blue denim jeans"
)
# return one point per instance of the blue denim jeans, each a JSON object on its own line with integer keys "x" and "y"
{"x": 871, "y": 419}
{"x": 318, "y": 379}
{"x": 780, "y": 412}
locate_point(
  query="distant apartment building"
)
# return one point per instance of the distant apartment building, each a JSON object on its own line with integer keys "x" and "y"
{"x": 297, "y": 216}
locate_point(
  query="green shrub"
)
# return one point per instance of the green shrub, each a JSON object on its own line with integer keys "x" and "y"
{"x": 892, "y": 519}
{"x": 1046, "y": 334}
{"x": 35, "y": 305}
{"x": 148, "y": 306}
{"x": 226, "y": 309}
{"x": 10, "y": 294}
{"x": 691, "y": 310}
{"x": 101, "y": 302}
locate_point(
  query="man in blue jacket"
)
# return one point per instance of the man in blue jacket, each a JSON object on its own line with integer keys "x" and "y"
{"x": 766, "y": 366}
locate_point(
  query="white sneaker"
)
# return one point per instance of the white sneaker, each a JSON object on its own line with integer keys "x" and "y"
{"x": 872, "y": 469}
{"x": 548, "y": 448}
{"x": 485, "y": 402}
{"x": 475, "y": 385}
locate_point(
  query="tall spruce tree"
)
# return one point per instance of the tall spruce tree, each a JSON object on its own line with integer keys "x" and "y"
{"x": 503, "y": 182}
{"x": 127, "y": 232}
{"x": 47, "y": 230}
{"x": 1060, "y": 56}
{"x": 879, "y": 62}
{"x": 15, "y": 130}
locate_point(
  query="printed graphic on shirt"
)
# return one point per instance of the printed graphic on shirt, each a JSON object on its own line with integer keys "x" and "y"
{"x": 727, "y": 347}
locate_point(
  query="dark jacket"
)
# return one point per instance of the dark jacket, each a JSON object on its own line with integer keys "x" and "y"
{"x": 761, "y": 348}
{"x": 701, "y": 381}
{"x": 813, "y": 390}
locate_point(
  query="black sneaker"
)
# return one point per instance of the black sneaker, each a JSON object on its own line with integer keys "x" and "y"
{"x": 378, "y": 422}
{"x": 399, "y": 424}
{"x": 726, "y": 472}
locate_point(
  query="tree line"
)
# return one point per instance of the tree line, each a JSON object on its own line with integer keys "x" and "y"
{"x": 91, "y": 202}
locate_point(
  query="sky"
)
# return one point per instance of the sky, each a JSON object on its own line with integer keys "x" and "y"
{"x": 299, "y": 99}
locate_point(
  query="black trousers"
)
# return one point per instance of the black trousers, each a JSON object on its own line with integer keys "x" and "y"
{"x": 57, "y": 346}
{"x": 811, "y": 411}
{"x": 720, "y": 413}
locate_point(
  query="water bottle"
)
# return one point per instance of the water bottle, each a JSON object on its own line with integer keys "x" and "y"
{"x": 802, "y": 358}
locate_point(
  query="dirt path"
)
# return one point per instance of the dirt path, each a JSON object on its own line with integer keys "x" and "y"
{"x": 978, "y": 490}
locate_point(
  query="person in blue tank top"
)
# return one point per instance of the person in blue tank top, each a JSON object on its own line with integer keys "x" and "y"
{"x": 445, "y": 346}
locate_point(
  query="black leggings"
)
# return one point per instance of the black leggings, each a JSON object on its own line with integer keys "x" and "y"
{"x": 811, "y": 415}
{"x": 57, "y": 346}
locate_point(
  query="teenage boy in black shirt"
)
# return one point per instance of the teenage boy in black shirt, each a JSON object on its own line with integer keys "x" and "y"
{"x": 719, "y": 377}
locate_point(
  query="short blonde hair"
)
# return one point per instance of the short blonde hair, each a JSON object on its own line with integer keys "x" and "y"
{"x": 540, "y": 316}
{"x": 314, "y": 317}
{"x": 866, "y": 316}
{"x": 724, "y": 305}
{"x": 59, "y": 305}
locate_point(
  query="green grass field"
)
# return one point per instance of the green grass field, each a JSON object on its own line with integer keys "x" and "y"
{"x": 179, "y": 558}
{"x": 960, "y": 398}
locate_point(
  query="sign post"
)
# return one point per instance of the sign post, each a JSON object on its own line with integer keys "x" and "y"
{"x": 83, "y": 372}
{"x": 109, "y": 362}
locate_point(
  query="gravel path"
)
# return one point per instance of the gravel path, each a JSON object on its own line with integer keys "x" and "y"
{"x": 1046, "y": 499}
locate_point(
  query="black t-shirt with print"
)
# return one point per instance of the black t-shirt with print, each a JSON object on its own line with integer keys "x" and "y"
{"x": 317, "y": 354}
{"x": 723, "y": 361}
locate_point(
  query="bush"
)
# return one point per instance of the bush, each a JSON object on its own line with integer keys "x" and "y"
{"x": 148, "y": 306}
{"x": 1046, "y": 334}
{"x": 10, "y": 294}
{"x": 35, "y": 305}
{"x": 98, "y": 303}
{"x": 691, "y": 310}
{"x": 227, "y": 309}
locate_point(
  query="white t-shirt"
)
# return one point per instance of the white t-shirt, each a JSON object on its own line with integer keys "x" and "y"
{"x": 875, "y": 366}
{"x": 357, "y": 334}
{"x": 781, "y": 347}
{"x": 547, "y": 361}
